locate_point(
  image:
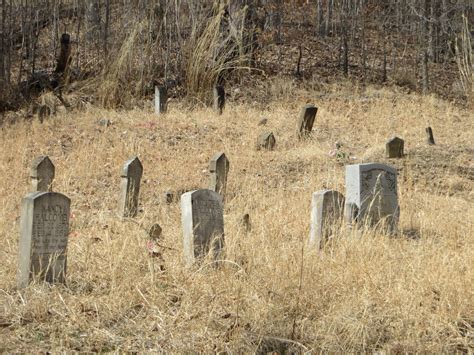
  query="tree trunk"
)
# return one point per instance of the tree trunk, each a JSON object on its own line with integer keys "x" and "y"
{"x": 329, "y": 17}
{"x": 425, "y": 46}
{"x": 320, "y": 22}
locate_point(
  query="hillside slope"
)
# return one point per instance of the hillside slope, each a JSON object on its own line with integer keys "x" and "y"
{"x": 364, "y": 292}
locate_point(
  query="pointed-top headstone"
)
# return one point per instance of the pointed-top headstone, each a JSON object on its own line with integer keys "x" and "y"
{"x": 266, "y": 141}
{"x": 42, "y": 174}
{"x": 395, "y": 148}
{"x": 130, "y": 187}
{"x": 219, "y": 168}
{"x": 306, "y": 120}
{"x": 219, "y": 99}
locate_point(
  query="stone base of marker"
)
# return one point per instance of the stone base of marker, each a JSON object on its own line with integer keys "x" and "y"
{"x": 326, "y": 214}
{"x": 43, "y": 239}
{"x": 202, "y": 220}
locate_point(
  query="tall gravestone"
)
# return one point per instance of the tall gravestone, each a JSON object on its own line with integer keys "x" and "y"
{"x": 130, "y": 188}
{"x": 394, "y": 148}
{"x": 326, "y": 210}
{"x": 42, "y": 174}
{"x": 43, "y": 239}
{"x": 219, "y": 168}
{"x": 161, "y": 99}
{"x": 306, "y": 120}
{"x": 218, "y": 99}
{"x": 371, "y": 191}
{"x": 202, "y": 219}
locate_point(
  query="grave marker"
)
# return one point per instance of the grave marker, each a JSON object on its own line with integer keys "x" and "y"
{"x": 371, "y": 190}
{"x": 202, "y": 219}
{"x": 326, "y": 210}
{"x": 219, "y": 168}
{"x": 306, "y": 120}
{"x": 42, "y": 174}
{"x": 219, "y": 99}
{"x": 44, "y": 236}
{"x": 395, "y": 148}
{"x": 130, "y": 188}
{"x": 429, "y": 136}
{"x": 266, "y": 141}
{"x": 161, "y": 99}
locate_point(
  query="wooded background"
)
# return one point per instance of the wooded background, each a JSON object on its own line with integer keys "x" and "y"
{"x": 118, "y": 50}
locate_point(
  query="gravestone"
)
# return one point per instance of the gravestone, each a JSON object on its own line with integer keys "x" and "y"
{"x": 306, "y": 120}
{"x": 219, "y": 168}
{"x": 395, "y": 148}
{"x": 161, "y": 99}
{"x": 266, "y": 141}
{"x": 326, "y": 210}
{"x": 202, "y": 219}
{"x": 219, "y": 99}
{"x": 42, "y": 174}
{"x": 371, "y": 190}
{"x": 130, "y": 188}
{"x": 429, "y": 136}
{"x": 43, "y": 239}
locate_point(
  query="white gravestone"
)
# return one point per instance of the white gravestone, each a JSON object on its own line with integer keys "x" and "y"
{"x": 42, "y": 174}
{"x": 43, "y": 238}
{"x": 130, "y": 188}
{"x": 202, "y": 219}
{"x": 161, "y": 99}
{"x": 371, "y": 190}
{"x": 326, "y": 211}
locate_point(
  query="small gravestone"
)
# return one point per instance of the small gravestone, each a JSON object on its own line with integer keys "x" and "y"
{"x": 202, "y": 219}
{"x": 371, "y": 190}
{"x": 161, "y": 99}
{"x": 246, "y": 223}
{"x": 219, "y": 168}
{"x": 429, "y": 136}
{"x": 395, "y": 148}
{"x": 42, "y": 174}
{"x": 219, "y": 99}
{"x": 306, "y": 120}
{"x": 266, "y": 141}
{"x": 43, "y": 239}
{"x": 130, "y": 188}
{"x": 326, "y": 210}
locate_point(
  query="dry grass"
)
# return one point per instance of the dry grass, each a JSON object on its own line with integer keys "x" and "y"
{"x": 365, "y": 292}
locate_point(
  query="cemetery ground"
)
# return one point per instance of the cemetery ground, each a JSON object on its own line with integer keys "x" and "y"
{"x": 365, "y": 291}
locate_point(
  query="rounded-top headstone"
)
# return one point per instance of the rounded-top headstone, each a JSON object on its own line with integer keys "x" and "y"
{"x": 132, "y": 168}
{"x": 395, "y": 148}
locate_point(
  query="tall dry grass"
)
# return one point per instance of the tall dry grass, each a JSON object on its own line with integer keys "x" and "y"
{"x": 364, "y": 292}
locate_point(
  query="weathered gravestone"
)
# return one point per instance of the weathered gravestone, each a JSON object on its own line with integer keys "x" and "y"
{"x": 306, "y": 120}
{"x": 130, "y": 188}
{"x": 43, "y": 239}
{"x": 161, "y": 99}
{"x": 266, "y": 141}
{"x": 326, "y": 210}
{"x": 42, "y": 174}
{"x": 429, "y": 136}
{"x": 371, "y": 191}
{"x": 218, "y": 99}
{"x": 202, "y": 219}
{"x": 219, "y": 168}
{"x": 395, "y": 148}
